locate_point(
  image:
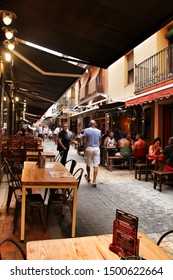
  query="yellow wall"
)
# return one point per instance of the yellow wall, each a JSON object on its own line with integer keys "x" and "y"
{"x": 117, "y": 72}
{"x": 116, "y": 81}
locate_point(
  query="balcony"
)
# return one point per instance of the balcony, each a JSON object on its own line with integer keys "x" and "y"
{"x": 156, "y": 69}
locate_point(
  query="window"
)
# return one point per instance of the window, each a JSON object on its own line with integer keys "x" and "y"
{"x": 130, "y": 68}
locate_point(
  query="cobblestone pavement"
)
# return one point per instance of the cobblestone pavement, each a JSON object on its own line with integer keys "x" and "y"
{"x": 118, "y": 189}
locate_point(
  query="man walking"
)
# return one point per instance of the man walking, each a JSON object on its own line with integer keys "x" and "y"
{"x": 63, "y": 142}
{"x": 91, "y": 142}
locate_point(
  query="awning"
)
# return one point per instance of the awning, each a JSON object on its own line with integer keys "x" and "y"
{"x": 152, "y": 95}
{"x": 111, "y": 106}
{"x": 98, "y": 32}
{"x": 100, "y": 97}
{"x": 41, "y": 78}
{"x": 87, "y": 111}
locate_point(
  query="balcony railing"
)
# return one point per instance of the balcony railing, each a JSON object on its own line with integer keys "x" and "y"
{"x": 154, "y": 70}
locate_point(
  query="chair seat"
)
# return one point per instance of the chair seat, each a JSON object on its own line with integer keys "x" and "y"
{"x": 32, "y": 200}
{"x": 36, "y": 198}
{"x": 56, "y": 197}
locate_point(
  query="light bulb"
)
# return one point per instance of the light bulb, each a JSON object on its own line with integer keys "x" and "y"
{"x": 7, "y": 57}
{"x": 7, "y": 18}
{"x": 11, "y": 46}
{"x": 9, "y": 34}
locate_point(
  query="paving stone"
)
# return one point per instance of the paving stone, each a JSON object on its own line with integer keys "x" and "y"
{"x": 96, "y": 207}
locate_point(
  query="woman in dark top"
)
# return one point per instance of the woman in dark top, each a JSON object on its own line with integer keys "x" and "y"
{"x": 64, "y": 142}
{"x": 168, "y": 153}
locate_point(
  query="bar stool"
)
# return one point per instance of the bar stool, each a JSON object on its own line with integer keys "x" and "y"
{"x": 140, "y": 168}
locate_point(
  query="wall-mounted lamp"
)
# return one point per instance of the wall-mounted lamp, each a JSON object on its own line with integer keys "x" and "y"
{"x": 7, "y": 16}
{"x": 10, "y": 44}
{"x": 9, "y": 32}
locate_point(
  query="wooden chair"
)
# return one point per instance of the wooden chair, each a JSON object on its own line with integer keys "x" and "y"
{"x": 17, "y": 173}
{"x": 32, "y": 200}
{"x": 140, "y": 168}
{"x": 161, "y": 177}
{"x": 30, "y": 144}
{"x": 14, "y": 151}
{"x": 66, "y": 197}
{"x": 11, "y": 240}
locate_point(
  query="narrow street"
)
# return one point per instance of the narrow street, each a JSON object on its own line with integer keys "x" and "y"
{"x": 97, "y": 206}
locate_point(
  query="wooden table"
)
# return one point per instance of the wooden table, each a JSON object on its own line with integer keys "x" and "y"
{"x": 53, "y": 175}
{"x": 33, "y": 155}
{"x": 106, "y": 150}
{"x": 88, "y": 248}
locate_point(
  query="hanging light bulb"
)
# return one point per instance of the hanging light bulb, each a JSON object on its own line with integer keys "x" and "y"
{"x": 9, "y": 32}
{"x": 10, "y": 44}
{"x": 7, "y": 16}
{"x": 8, "y": 57}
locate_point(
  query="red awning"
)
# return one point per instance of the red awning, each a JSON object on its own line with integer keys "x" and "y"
{"x": 153, "y": 95}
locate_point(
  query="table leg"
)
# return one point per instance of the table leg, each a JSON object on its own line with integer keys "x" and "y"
{"x": 22, "y": 230}
{"x": 107, "y": 154}
{"x": 146, "y": 172}
{"x": 74, "y": 212}
{"x": 157, "y": 164}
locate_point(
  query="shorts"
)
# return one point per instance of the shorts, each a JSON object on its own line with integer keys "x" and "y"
{"x": 92, "y": 156}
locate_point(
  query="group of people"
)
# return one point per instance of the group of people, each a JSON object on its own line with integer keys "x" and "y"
{"x": 25, "y": 130}
{"x": 125, "y": 146}
{"x": 91, "y": 142}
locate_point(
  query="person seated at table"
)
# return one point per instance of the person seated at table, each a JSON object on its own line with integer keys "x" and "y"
{"x": 139, "y": 148}
{"x": 104, "y": 136}
{"x": 124, "y": 146}
{"x": 117, "y": 135}
{"x": 168, "y": 154}
{"x": 22, "y": 130}
{"x": 129, "y": 136}
{"x": 155, "y": 149}
{"x": 111, "y": 142}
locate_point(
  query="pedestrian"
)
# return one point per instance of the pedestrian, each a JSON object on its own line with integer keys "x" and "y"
{"x": 40, "y": 131}
{"x": 56, "y": 132}
{"x": 63, "y": 142}
{"x": 91, "y": 142}
{"x": 22, "y": 130}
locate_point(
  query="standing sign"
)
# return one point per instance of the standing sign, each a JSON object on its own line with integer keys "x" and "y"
{"x": 125, "y": 228}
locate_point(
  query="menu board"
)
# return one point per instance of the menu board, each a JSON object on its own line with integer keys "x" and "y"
{"x": 125, "y": 228}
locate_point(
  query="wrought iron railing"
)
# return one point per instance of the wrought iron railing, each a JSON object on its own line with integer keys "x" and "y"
{"x": 155, "y": 69}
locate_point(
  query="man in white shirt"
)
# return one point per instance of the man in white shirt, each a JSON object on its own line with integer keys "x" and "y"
{"x": 56, "y": 132}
